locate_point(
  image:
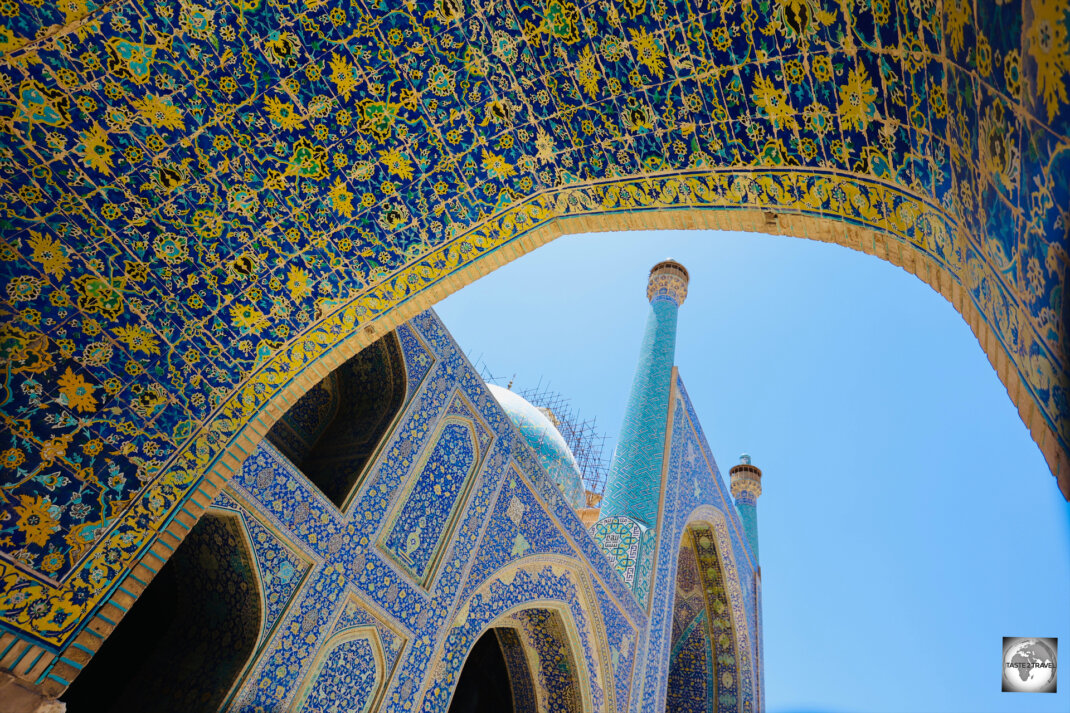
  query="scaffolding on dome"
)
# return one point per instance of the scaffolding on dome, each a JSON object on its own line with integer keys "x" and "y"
{"x": 586, "y": 441}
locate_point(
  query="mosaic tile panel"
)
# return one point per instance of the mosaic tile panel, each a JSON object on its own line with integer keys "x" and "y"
{"x": 620, "y": 539}
{"x": 280, "y": 570}
{"x": 346, "y": 680}
{"x": 543, "y": 631}
{"x": 437, "y": 491}
{"x": 691, "y": 671}
{"x": 516, "y": 662}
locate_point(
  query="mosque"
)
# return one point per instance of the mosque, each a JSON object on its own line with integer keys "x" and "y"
{"x": 408, "y": 537}
{"x": 243, "y": 466}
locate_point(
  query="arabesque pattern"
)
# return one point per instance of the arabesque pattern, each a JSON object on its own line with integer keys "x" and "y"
{"x": 199, "y": 200}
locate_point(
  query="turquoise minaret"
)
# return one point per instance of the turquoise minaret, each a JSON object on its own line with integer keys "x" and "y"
{"x": 746, "y": 487}
{"x": 633, "y": 486}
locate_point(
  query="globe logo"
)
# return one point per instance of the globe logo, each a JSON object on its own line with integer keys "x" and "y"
{"x": 1029, "y": 664}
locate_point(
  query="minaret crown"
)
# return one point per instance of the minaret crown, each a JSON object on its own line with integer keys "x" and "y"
{"x": 746, "y": 480}
{"x": 668, "y": 280}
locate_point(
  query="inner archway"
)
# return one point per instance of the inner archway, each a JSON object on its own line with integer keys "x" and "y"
{"x": 183, "y": 645}
{"x": 703, "y": 675}
{"x": 333, "y": 432}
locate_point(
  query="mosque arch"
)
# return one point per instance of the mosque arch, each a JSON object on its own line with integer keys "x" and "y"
{"x": 539, "y": 654}
{"x": 494, "y": 677}
{"x": 186, "y": 642}
{"x": 711, "y": 660}
{"x": 880, "y": 243}
{"x": 335, "y": 429}
{"x": 703, "y": 676}
{"x": 508, "y": 599}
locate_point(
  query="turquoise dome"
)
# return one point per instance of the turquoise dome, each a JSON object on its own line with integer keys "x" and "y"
{"x": 544, "y": 438}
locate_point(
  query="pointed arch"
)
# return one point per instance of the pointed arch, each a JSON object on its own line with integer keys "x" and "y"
{"x": 711, "y": 665}
{"x": 334, "y": 431}
{"x": 185, "y": 642}
{"x": 543, "y": 591}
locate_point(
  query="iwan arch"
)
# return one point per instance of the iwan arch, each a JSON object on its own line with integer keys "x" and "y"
{"x": 209, "y": 207}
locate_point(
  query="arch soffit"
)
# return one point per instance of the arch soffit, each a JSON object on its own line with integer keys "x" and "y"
{"x": 254, "y": 568}
{"x": 635, "y": 198}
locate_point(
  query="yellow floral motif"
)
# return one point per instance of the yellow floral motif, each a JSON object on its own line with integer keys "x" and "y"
{"x": 248, "y": 318}
{"x": 96, "y": 151}
{"x": 774, "y": 103}
{"x": 77, "y": 391}
{"x": 55, "y": 447}
{"x": 298, "y": 283}
{"x": 96, "y": 294}
{"x": 50, "y": 253}
{"x": 341, "y": 198}
{"x": 160, "y": 112}
{"x": 822, "y": 67}
{"x": 343, "y": 75}
{"x": 283, "y": 114}
{"x": 396, "y": 163}
{"x": 1046, "y": 39}
{"x": 858, "y": 99}
{"x": 496, "y": 166}
{"x": 12, "y": 458}
{"x": 587, "y": 73}
{"x": 35, "y": 519}
{"x": 959, "y": 15}
{"x": 649, "y": 52}
{"x": 138, "y": 339}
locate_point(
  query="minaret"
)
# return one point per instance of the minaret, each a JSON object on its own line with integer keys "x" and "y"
{"x": 746, "y": 487}
{"x": 633, "y": 486}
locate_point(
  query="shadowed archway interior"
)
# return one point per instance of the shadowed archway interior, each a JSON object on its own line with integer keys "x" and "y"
{"x": 183, "y": 644}
{"x": 333, "y": 432}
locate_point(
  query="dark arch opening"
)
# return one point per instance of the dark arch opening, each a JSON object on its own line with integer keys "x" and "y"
{"x": 187, "y": 638}
{"x": 334, "y": 430}
{"x": 484, "y": 683}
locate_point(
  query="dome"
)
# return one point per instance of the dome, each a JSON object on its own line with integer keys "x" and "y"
{"x": 546, "y": 441}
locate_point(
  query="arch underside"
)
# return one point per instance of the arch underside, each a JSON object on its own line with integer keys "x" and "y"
{"x": 207, "y": 209}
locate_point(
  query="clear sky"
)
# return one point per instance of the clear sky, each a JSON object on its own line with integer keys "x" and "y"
{"x": 908, "y": 521}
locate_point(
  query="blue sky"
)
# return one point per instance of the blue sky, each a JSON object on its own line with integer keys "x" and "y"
{"x": 908, "y": 521}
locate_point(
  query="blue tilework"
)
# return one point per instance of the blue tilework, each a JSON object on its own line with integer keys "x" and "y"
{"x": 511, "y": 553}
{"x": 748, "y": 515}
{"x": 633, "y": 485}
{"x": 198, "y": 200}
{"x": 437, "y": 490}
{"x": 346, "y": 680}
{"x": 281, "y": 570}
